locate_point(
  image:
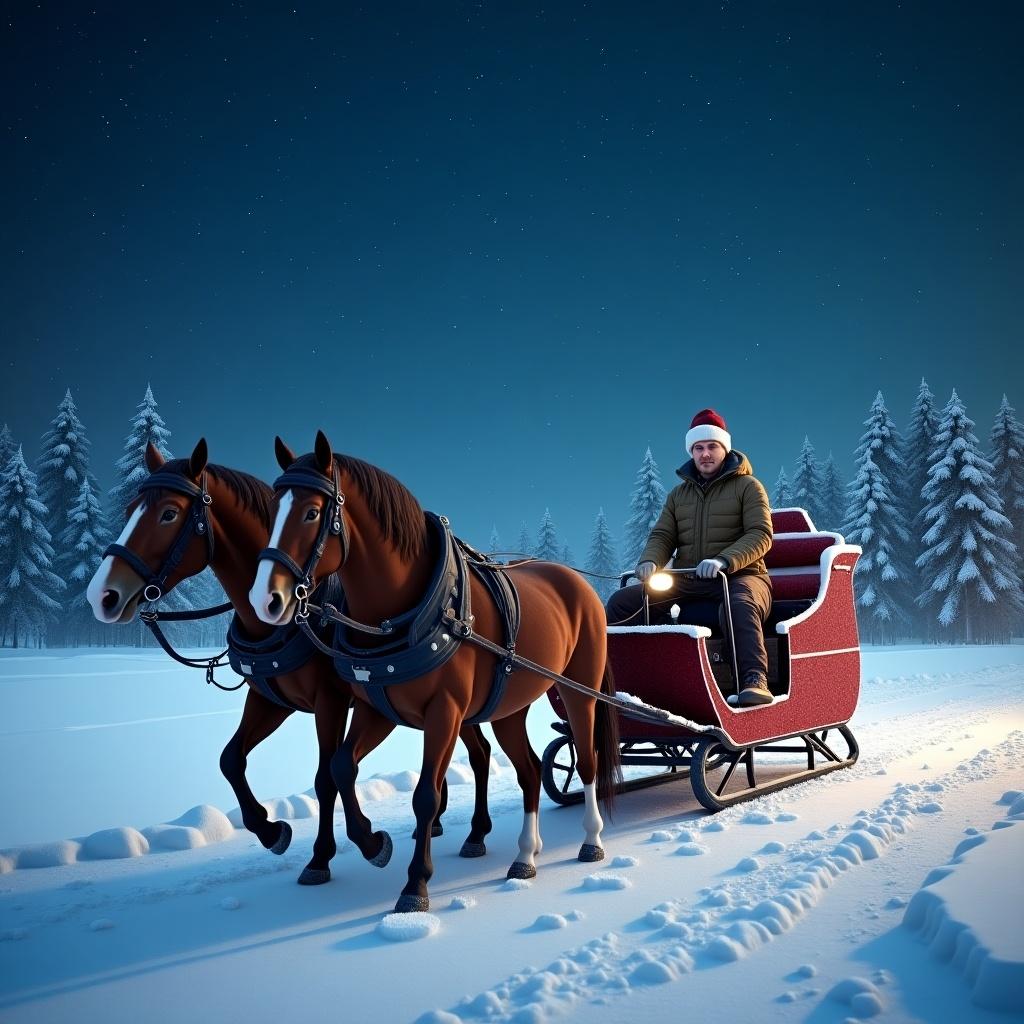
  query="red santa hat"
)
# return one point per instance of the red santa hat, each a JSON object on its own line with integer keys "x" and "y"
{"x": 707, "y": 425}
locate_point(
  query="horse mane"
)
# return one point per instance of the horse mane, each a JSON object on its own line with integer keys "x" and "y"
{"x": 252, "y": 493}
{"x": 390, "y": 502}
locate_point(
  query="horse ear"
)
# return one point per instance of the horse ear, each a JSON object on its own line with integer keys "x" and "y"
{"x": 154, "y": 460}
{"x": 198, "y": 458}
{"x": 285, "y": 456}
{"x": 324, "y": 455}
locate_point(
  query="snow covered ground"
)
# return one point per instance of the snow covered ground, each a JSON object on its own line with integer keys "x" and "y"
{"x": 892, "y": 889}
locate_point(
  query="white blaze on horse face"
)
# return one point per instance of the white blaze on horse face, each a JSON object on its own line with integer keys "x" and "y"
{"x": 104, "y": 579}
{"x": 260, "y": 595}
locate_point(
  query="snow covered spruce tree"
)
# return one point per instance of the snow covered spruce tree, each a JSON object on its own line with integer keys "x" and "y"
{"x": 601, "y": 558}
{"x": 548, "y": 547}
{"x": 29, "y": 589}
{"x": 782, "y": 493}
{"x": 1007, "y": 447}
{"x": 645, "y": 504}
{"x": 567, "y": 555}
{"x": 876, "y": 521}
{"x": 833, "y": 498}
{"x": 918, "y": 444}
{"x": 494, "y": 543}
{"x": 969, "y": 562}
{"x": 81, "y": 546}
{"x": 807, "y": 482}
{"x": 525, "y": 543}
{"x": 63, "y": 468}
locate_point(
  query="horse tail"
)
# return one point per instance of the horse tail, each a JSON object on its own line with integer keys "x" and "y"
{"x": 606, "y": 742}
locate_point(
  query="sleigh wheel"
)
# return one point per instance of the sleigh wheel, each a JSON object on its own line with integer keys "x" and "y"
{"x": 558, "y": 772}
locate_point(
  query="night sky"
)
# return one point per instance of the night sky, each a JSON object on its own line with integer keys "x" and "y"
{"x": 498, "y": 249}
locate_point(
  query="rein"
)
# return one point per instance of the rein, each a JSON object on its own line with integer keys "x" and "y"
{"x": 198, "y": 523}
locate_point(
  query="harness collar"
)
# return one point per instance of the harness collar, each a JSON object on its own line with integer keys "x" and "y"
{"x": 198, "y": 522}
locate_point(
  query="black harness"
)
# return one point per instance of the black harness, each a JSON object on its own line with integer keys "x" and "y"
{"x": 417, "y": 641}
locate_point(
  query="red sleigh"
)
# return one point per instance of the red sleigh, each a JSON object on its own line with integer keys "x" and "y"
{"x": 683, "y": 675}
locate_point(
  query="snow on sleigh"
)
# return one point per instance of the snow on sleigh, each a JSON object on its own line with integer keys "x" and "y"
{"x": 681, "y": 678}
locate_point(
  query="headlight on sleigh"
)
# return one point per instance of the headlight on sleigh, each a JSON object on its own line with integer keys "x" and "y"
{"x": 660, "y": 581}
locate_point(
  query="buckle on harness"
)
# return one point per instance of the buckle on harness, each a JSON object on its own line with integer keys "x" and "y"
{"x": 158, "y": 593}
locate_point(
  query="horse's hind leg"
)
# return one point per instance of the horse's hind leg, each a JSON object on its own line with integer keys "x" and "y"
{"x": 440, "y": 731}
{"x": 368, "y": 730}
{"x": 511, "y": 734}
{"x": 260, "y": 718}
{"x": 480, "y": 761}
{"x": 331, "y": 714}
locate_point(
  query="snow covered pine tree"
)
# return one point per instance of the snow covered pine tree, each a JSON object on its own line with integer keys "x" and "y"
{"x": 601, "y": 559}
{"x": 645, "y": 505}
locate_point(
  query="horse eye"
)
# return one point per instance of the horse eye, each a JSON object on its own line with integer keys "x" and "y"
{"x": 168, "y": 515}
{"x": 312, "y": 515}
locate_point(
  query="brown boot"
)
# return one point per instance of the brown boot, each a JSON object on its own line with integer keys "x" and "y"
{"x": 754, "y": 690}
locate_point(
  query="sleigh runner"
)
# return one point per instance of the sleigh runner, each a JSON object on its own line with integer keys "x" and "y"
{"x": 674, "y": 684}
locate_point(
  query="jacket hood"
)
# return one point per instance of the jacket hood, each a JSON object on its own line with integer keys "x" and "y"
{"x": 735, "y": 464}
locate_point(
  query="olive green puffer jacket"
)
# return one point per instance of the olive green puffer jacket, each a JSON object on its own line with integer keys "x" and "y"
{"x": 730, "y": 520}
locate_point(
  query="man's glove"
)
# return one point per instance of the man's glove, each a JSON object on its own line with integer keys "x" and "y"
{"x": 710, "y": 568}
{"x": 644, "y": 571}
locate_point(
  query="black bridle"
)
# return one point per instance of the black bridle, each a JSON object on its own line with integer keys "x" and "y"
{"x": 197, "y": 524}
{"x": 332, "y": 524}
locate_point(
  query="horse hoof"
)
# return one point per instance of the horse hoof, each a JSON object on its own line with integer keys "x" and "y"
{"x": 472, "y": 849}
{"x": 590, "y": 853}
{"x": 283, "y": 840}
{"x": 520, "y": 869}
{"x": 387, "y": 848}
{"x": 412, "y": 904}
{"x": 314, "y": 876}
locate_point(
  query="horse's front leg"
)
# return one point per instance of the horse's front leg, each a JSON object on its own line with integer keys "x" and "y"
{"x": 480, "y": 761}
{"x": 368, "y": 730}
{"x": 511, "y": 734}
{"x": 440, "y": 731}
{"x": 331, "y": 714}
{"x": 260, "y": 718}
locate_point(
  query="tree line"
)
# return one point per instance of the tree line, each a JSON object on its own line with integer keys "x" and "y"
{"x": 941, "y": 522}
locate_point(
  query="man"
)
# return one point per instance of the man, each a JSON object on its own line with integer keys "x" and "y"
{"x": 716, "y": 520}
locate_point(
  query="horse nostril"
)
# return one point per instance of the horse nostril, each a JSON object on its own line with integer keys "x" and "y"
{"x": 276, "y": 604}
{"x": 111, "y": 599}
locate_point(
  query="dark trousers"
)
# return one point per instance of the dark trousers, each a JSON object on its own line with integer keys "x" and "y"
{"x": 700, "y": 604}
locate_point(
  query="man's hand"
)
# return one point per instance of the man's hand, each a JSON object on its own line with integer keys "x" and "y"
{"x": 710, "y": 568}
{"x": 644, "y": 571}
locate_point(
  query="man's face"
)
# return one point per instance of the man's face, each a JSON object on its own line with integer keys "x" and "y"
{"x": 708, "y": 456}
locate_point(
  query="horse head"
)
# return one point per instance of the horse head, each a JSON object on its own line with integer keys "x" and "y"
{"x": 308, "y": 537}
{"x": 164, "y": 524}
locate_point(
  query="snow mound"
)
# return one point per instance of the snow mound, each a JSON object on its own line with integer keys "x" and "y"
{"x": 974, "y": 926}
{"x": 459, "y": 774}
{"x": 174, "y": 837}
{"x": 407, "y": 927}
{"x": 516, "y": 884}
{"x": 114, "y": 844}
{"x": 462, "y": 903}
{"x": 303, "y": 806}
{"x": 550, "y": 922}
{"x": 606, "y": 882}
{"x": 211, "y": 822}
{"x": 47, "y": 855}
{"x": 661, "y": 836}
{"x": 403, "y": 782}
{"x": 749, "y": 864}
{"x": 623, "y": 862}
{"x": 757, "y": 818}
{"x": 690, "y": 850}
{"x": 715, "y": 826}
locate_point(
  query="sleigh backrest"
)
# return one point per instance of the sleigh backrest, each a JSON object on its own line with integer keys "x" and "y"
{"x": 794, "y": 559}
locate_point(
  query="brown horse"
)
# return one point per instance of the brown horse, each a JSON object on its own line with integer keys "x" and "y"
{"x": 189, "y": 515}
{"x": 334, "y": 513}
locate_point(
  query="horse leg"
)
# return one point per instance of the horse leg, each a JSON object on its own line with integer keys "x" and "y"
{"x": 581, "y": 712}
{"x": 331, "y": 714}
{"x": 440, "y": 731}
{"x": 480, "y": 761}
{"x": 260, "y": 718}
{"x": 511, "y": 734}
{"x": 368, "y": 730}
